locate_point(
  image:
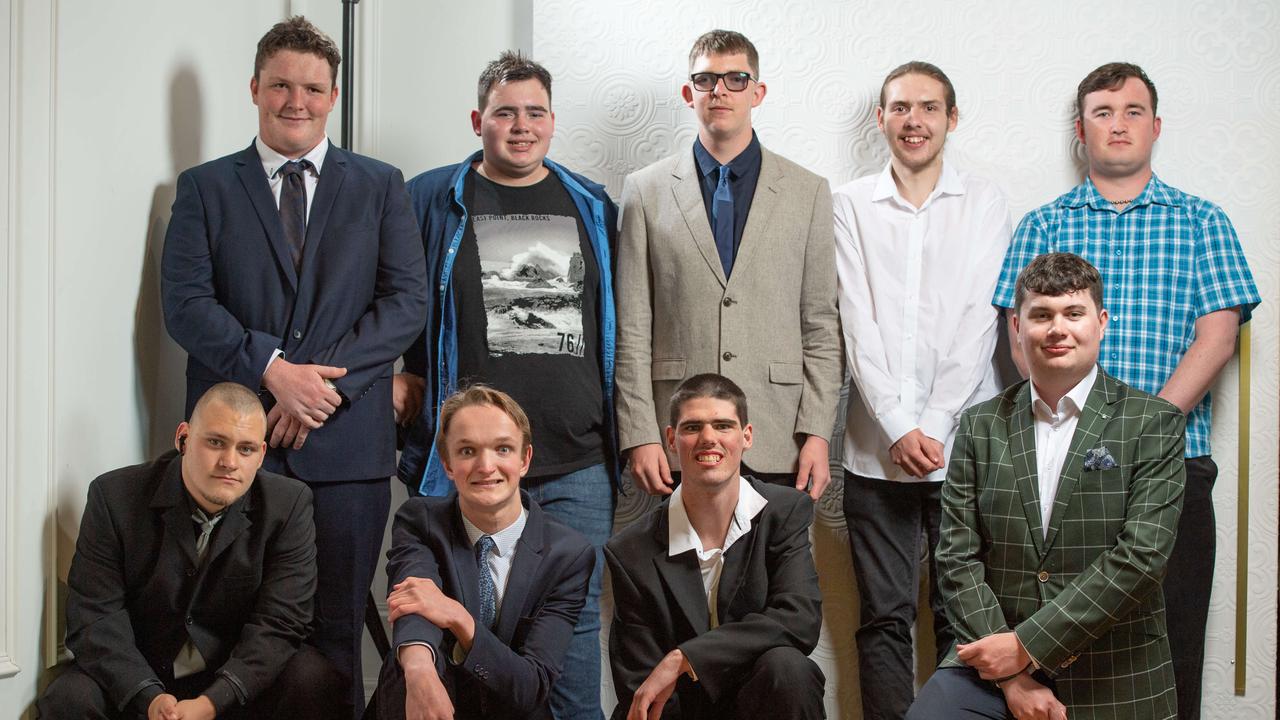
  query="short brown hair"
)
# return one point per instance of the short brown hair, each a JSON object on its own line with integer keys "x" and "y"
{"x": 725, "y": 42}
{"x": 1056, "y": 274}
{"x": 480, "y": 394}
{"x": 920, "y": 67}
{"x": 1110, "y": 77}
{"x": 510, "y": 66}
{"x": 708, "y": 385}
{"x": 297, "y": 34}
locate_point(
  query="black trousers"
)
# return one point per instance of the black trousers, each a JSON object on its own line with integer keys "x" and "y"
{"x": 959, "y": 694}
{"x": 892, "y": 525}
{"x": 306, "y": 688}
{"x": 1189, "y": 581}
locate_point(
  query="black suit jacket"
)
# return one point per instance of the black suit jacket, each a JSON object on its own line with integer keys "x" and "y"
{"x": 136, "y": 592}
{"x": 768, "y": 598}
{"x": 510, "y": 670}
{"x": 232, "y": 297}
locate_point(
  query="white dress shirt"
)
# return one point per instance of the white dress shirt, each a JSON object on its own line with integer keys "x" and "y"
{"x": 682, "y": 537}
{"x": 503, "y": 555}
{"x": 1054, "y": 430}
{"x": 915, "y": 303}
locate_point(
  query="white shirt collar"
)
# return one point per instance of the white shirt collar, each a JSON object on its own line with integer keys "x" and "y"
{"x": 505, "y": 539}
{"x": 272, "y": 160}
{"x": 1071, "y": 403}
{"x": 949, "y": 183}
{"x": 682, "y": 537}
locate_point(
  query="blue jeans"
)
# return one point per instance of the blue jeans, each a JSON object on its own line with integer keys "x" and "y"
{"x": 584, "y": 501}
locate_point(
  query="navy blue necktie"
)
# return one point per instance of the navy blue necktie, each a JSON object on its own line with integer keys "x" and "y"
{"x": 722, "y": 220}
{"x": 488, "y": 593}
{"x": 293, "y": 206}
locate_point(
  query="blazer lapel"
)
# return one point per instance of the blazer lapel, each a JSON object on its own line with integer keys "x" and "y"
{"x": 178, "y": 525}
{"x": 1022, "y": 446}
{"x": 327, "y": 189}
{"x": 763, "y": 203}
{"x": 683, "y": 578}
{"x": 524, "y": 569}
{"x": 688, "y": 195}
{"x": 1093, "y": 418}
{"x": 736, "y": 560}
{"x": 464, "y": 564}
{"x": 254, "y": 179}
{"x": 233, "y": 525}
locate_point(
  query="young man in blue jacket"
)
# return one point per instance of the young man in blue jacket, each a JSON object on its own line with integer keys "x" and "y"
{"x": 519, "y": 255}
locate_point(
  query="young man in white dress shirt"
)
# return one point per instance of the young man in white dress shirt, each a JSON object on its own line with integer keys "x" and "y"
{"x": 918, "y": 250}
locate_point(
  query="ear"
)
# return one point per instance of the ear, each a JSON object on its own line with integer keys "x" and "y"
{"x": 253, "y": 89}
{"x": 746, "y": 436}
{"x": 953, "y": 118}
{"x": 671, "y": 438}
{"x": 757, "y": 95}
{"x": 180, "y": 437}
{"x": 686, "y": 92}
{"x": 528, "y": 458}
{"x": 1080, "y": 130}
{"x": 1156, "y": 134}
{"x": 333, "y": 96}
{"x": 1103, "y": 318}
{"x": 880, "y": 118}
{"x": 475, "y": 122}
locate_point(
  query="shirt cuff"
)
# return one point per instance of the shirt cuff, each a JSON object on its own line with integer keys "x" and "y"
{"x": 416, "y": 642}
{"x": 896, "y": 423}
{"x": 277, "y": 354}
{"x": 937, "y": 425}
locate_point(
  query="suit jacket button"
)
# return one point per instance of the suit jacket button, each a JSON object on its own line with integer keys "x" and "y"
{"x": 189, "y": 620}
{"x": 727, "y": 356}
{"x": 191, "y": 571}
{"x": 297, "y": 334}
{"x": 728, "y": 301}
{"x": 1043, "y": 576}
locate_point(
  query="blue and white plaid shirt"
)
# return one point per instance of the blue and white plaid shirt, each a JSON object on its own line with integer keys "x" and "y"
{"x": 1165, "y": 260}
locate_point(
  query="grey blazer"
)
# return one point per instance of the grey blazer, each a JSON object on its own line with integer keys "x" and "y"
{"x": 772, "y": 327}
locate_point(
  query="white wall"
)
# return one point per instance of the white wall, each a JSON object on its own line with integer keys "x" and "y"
{"x": 619, "y": 66}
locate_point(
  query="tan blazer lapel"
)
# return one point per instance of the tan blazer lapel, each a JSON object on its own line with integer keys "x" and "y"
{"x": 763, "y": 203}
{"x": 688, "y": 197}
{"x": 1022, "y": 448}
{"x": 1093, "y": 418}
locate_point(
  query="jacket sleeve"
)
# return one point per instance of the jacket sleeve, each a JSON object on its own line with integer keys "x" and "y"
{"x": 634, "y": 648}
{"x": 412, "y": 555}
{"x": 1114, "y": 584}
{"x": 522, "y": 676}
{"x": 792, "y": 616}
{"x": 281, "y": 616}
{"x": 192, "y": 313}
{"x": 99, "y": 631}
{"x": 820, "y": 324}
{"x": 397, "y": 313}
{"x": 637, "y": 417}
{"x": 971, "y": 604}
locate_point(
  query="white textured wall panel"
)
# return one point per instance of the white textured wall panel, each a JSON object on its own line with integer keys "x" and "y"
{"x": 618, "y": 68}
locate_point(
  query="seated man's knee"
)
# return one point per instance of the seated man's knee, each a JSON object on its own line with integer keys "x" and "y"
{"x": 308, "y": 683}
{"x": 785, "y": 680}
{"x": 73, "y": 695}
{"x": 956, "y": 693}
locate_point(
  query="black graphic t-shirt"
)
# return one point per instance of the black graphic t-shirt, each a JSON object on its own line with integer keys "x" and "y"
{"x": 526, "y": 284}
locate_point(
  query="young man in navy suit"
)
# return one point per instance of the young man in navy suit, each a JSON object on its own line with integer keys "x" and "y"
{"x": 292, "y": 267}
{"x": 485, "y": 586}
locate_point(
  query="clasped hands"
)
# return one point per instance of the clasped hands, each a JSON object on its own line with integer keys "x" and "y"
{"x": 1001, "y": 657}
{"x": 304, "y": 400}
{"x": 168, "y": 707}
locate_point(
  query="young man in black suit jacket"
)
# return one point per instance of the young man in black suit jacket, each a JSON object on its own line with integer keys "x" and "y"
{"x": 191, "y": 588}
{"x": 486, "y": 588}
{"x": 716, "y": 596}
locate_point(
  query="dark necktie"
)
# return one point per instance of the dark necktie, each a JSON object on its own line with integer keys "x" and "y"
{"x": 488, "y": 593}
{"x": 293, "y": 206}
{"x": 722, "y": 220}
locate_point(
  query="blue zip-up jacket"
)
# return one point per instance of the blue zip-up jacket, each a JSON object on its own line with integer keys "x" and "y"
{"x": 437, "y": 203}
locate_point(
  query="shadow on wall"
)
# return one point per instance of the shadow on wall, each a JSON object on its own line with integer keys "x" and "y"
{"x": 159, "y": 360}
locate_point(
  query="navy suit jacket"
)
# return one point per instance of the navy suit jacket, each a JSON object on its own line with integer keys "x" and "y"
{"x": 510, "y": 670}
{"x": 232, "y": 296}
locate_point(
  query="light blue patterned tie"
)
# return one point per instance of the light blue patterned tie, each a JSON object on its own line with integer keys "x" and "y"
{"x": 488, "y": 593}
{"x": 722, "y": 220}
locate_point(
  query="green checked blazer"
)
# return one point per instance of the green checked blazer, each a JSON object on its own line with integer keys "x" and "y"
{"x": 1085, "y": 599}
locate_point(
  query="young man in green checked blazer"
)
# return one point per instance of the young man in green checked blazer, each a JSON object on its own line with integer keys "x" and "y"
{"x": 1060, "y": 509}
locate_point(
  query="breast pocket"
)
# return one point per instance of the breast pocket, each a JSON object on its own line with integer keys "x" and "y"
{"x": 1104, "y": 497}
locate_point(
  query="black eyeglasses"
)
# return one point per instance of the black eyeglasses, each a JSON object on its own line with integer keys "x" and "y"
{"x": 735, "y": 81}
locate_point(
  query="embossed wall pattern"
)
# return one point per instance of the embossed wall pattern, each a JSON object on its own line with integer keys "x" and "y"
{"x": 618, "y": 67}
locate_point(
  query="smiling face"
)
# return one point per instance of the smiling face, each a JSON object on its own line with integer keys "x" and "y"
{"x": 1118, "y": 130}
{"x": 222, "y": 450}
{"x": 294, "y": 93}
{"x": 485, "y": 456}
{"x": 1059, "y": 336}
{"x": 915, "y": 121}
{"x": 724, "y": 116}
{"x": 709, "y": 439}
{"x": 515, "y": 128}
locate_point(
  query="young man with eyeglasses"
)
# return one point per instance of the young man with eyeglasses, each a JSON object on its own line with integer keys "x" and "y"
{"x": 727, "y": 264}
{"x": 519, "y": 254}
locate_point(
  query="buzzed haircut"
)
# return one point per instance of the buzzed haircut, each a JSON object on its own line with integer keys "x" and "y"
{"x": 238, "y": 398}
{"x": 481, "y": 394}
{"x": 920, "y": 67}
{"x": 1057, "y": 274}
{"x": 708, "y": 385}
{"x": 297, "y": 34}
{"x": 510, "y": 66}
{"x": 725, "y": 42}
{"x": 1111, "y": 77}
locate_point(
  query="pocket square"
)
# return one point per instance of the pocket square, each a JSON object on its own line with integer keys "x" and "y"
{"x": 1099, "y": 458}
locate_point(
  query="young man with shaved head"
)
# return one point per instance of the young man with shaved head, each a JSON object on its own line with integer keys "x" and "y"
{"x": 918, "y": 249}
{"x": 1179, "y": 289}
{"x": 191, "y": 588}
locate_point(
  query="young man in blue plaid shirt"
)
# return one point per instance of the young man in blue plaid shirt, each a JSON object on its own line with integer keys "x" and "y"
{"x": 1178, "y": 287}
